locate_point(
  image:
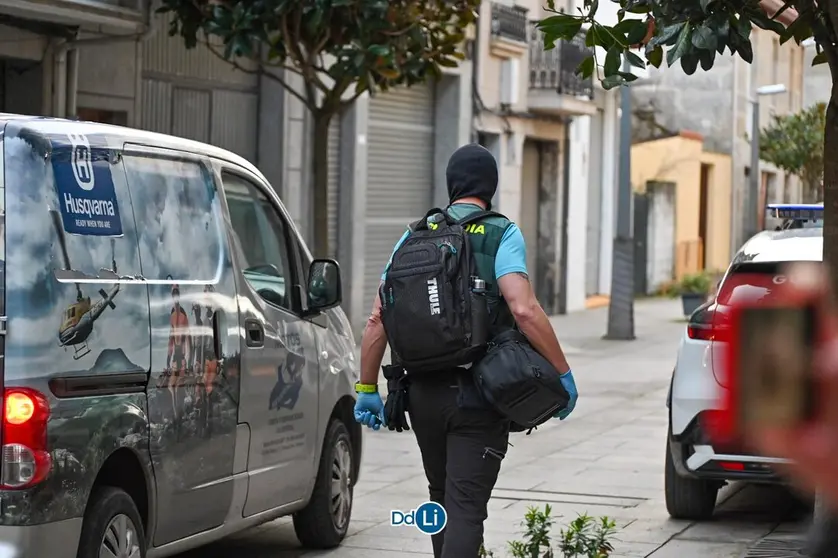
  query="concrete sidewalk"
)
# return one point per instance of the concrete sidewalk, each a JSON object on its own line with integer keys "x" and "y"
{"x": 605, "y": 460}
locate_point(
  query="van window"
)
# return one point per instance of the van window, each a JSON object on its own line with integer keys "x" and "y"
{"x": 261, "y": 241}
{"x": 55, "y": 224}
{"x": 176, "y": 208}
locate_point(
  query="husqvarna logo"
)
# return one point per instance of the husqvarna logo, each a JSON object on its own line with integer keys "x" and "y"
{"x": 433, "y": 296}
{"x": 82, "y": 162}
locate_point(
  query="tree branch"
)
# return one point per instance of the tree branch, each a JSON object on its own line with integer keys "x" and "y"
{"x": 308, "y": 67}
{"x": 261, "y": 72}
{"x": 294, "y": 92}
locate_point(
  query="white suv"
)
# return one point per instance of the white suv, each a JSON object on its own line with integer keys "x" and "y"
{"x": 695, "y": 468}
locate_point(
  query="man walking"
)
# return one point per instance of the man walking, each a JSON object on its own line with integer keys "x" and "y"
{"x": 462, "y": 439}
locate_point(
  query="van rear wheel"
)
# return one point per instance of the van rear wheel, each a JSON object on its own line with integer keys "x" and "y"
{"x": 112, "y": 526}
{"x": 323, "y": 523}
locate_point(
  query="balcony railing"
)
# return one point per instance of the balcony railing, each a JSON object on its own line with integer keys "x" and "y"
{"x": 509, "y": 22}
{"x": 556, "y": 69}
{"x": 135, "y": 5}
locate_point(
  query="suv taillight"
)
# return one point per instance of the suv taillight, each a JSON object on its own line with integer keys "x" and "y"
{"x": 24, "y": 458}
{"x": 706, "y": 324}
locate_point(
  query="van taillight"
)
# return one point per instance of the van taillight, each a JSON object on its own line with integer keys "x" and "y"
{"x": 706, "y": 325}
{"x": 24, "y": 458}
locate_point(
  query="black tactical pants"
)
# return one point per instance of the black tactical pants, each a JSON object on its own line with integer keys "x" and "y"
{"x": 462, "y": 449}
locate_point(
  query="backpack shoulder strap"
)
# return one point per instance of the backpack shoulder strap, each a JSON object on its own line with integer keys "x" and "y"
{"x": 478, "y": 215}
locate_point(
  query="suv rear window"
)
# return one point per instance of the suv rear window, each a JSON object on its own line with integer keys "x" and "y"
{"x": 750, "y": 283}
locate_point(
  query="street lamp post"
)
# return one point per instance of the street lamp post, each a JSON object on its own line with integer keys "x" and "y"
{"x": 621, "y": 304}
{"x": 752, "y": 205}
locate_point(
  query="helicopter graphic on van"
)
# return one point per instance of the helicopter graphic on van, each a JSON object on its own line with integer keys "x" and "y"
{"x": 78, "y": 318}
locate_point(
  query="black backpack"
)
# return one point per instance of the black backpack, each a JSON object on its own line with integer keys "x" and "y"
{"x": 426, "y": 297}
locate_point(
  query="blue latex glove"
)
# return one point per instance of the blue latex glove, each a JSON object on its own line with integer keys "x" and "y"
{"x": 569, "y": 385}
{"x": 369, "y": 410}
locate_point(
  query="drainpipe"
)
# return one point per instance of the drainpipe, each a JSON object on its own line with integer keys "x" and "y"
{"x": 47, "y": 77}
{"x": 734, "y": 158}
{"x": 67, "y": 66}
{"x": 72, "y": 94}
{"x": 59, "y": 101}
{"x": 475, "y": 79}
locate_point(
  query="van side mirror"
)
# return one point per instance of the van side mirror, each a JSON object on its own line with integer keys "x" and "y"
{"x": 324, "y": 285}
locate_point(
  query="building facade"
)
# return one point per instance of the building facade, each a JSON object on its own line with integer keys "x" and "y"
{"x": 554, "y": 136}
{"x": 113, "y": 61}
{"x": 718, "y": 105}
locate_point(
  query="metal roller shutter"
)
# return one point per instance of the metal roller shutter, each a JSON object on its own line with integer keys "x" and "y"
{"x": 399, "y": 172}
{"x": 334, "y": 184}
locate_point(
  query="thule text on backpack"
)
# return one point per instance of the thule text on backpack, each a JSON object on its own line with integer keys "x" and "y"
{"x": 433, "y": 296}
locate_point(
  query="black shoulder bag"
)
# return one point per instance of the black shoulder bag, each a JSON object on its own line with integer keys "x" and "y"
{"x": 520, "y": 383}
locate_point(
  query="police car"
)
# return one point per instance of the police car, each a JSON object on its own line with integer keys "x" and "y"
{"x": 695, "y": 468}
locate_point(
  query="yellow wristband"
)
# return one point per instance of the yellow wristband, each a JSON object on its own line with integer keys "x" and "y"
{"x": 366, "y": 388}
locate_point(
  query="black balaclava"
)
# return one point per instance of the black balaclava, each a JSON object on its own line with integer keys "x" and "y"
{"x": 472, "y": 172}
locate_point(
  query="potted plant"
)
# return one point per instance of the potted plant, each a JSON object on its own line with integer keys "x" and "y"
{"x": 693, "y": 288}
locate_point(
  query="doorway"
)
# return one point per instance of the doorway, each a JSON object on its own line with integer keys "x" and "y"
{"x": 539, "y": 221}
{"x": 703, "y": 212}
{"x": 20, "y": 86}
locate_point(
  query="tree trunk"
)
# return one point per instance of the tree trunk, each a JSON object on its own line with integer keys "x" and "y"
{"x": 320, "y": 183}
{"x": 823, "y": 538}
{"x": 830, "y": 191}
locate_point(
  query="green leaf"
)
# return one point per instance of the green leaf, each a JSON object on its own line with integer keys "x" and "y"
{"x": 604, "y": 36}
{"x": 744, "y": 27}
{"x": 628, "y": 76}
{"x": 610, "y": 82}
{"x": 721, "y": 25}
{"x": 655, "y": 56}
{"x": 746, "y": 51}
{"x": 563, "y": 26}
{"x": 379, "y": 50}
{"x": 591, "y": 37}
{"x": 637, "y": 33}
{"x": 820, "y": 58}
{"x": 706, "y": 58}
{"x": 668, "y": 34}
{"x": 682, "y": 45}
{"x": 586, "y": 67}
{"x": 704, "y": 38}
{"x": 689, "y": 62}
{"x": 612, "y": 62}
{"x": 635, "y": 60}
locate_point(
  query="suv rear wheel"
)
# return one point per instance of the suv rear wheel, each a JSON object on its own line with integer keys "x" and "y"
{"x": 323, "y": 523}
{"x": 112, "y": 526}
{"x": 687, "y": 498}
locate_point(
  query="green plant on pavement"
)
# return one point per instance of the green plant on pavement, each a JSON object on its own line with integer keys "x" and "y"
{"x": 585, "y": 537}
{"x": 326, "y": 53}
{"x": 693, "y": 33}
{"x": 794, "y": 143}
{"x": 536, "y": 543}
{"x": 698, "y": 283}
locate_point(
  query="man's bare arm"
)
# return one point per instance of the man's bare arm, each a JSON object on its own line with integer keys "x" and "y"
{"x": 373, "y": 345}
{"x": 531, "y": 318}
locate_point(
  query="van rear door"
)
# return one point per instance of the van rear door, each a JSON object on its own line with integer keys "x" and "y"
{"x": 2, "y": 260}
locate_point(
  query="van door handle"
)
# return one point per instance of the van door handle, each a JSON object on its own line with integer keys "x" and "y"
{"x": 254, "y": 333}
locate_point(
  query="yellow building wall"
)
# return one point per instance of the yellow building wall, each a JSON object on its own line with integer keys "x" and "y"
{"x": 678, "y": 159}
